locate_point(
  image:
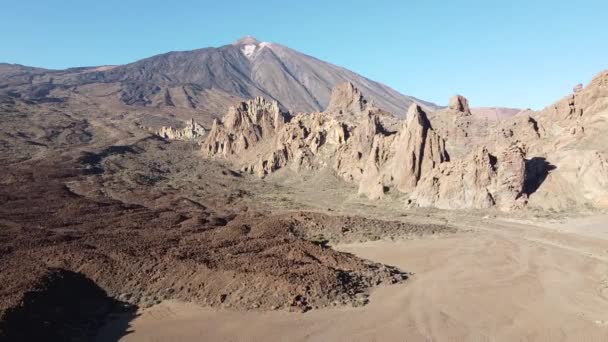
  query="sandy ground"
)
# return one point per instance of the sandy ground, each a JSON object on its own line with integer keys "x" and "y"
{"x": 502, "y": 281}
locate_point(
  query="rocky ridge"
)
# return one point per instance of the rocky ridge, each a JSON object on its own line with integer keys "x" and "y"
{"x": 445, "y": 159}
{"x": 363, "y": 145}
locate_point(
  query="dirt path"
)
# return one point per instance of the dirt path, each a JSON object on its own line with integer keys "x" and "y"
{"x": 506, "y": 281}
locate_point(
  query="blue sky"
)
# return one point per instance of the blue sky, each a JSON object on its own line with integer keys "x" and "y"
{"x": 503, "y": 53}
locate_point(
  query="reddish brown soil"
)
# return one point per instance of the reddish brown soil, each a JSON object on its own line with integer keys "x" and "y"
{"x": 142, "y": 256}
{"x": 95, "y": 211}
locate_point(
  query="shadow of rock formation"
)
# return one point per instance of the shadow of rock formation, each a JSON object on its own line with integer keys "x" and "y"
{"x": 537, "y": 170}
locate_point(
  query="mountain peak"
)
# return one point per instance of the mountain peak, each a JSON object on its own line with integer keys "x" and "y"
{"x": 246, "y": 40}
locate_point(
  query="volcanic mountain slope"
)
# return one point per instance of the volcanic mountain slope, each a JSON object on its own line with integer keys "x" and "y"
{"x": 201, "y": 83}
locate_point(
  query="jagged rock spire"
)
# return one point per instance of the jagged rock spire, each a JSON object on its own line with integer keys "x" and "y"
{"x": 417, "y": 147}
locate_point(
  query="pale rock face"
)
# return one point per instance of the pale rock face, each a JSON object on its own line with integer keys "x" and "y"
{"x": 313, "y": 141}
{"x": 351, "y": 139}
{"x": 509, "y": 189}
{"x": 400, "y": 160}
{"x": 457, "y": 185}
{"x": 577, "y": 177}
{"x": 519, "y": 128}
{"x": 416, "y": 147}
{"x": 460, "y": 104}
{"x": 308, "y": 142}
{"x": 346, "y": 99}
{"x": 584, "y": 102}
{"x": 531, "y": 155}
{"x": 457, "y": 126}
{"x": 373, "y": 181}
{"x": 593, "y": 178}
{"x": 479, "y": 181}
{"x": 242, "y": 127}
{"x": 351, "y": 159}
{"x": 192, "y": 131}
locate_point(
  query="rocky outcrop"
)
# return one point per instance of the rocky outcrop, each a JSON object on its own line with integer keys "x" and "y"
{"x": 372, "y": 183}
{"x": 351, "y": 158}
{"x": 509, "y": 188}
{"x": 243, "y": 126}
{"x": 351, "y": 139}
{"x": 583, "y": 102}
{"x": 417, "y": 148}
{"x": 460, "y": 104}
{"x": 573, "y": 178}
{"x": 306, "y": 142}
{"x": 398, "y": 161}
{"x": 457, "y": 126}
{"x": 192, "y": 131}
{"x": 410, "y": 157}
{"x": 346, "y": 99}
{"x": 341, "y": 134}
{"x": 479, "y": 181}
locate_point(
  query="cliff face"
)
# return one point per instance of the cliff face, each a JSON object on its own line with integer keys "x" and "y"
{"x": 481, "y": 180}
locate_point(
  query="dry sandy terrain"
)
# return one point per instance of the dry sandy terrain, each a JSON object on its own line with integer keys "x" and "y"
{"x": 500, "y": 280}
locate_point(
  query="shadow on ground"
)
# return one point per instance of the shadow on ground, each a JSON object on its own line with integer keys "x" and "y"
{"x": 65, "y": 306}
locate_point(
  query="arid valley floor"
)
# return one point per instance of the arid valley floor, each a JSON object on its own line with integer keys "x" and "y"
{"x": 496, "y": 280}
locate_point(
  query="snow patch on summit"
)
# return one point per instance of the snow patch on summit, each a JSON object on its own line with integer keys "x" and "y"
{"x": 265, "y": 44}
{"x": 248, "y": 50}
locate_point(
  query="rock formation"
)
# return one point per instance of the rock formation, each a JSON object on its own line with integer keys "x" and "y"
{"x": 417, "y": 148}
{"x": 349, "y": 137}
{"x": 305, "y": 141}
{"x": 398, "y": 161}
{"x": 192, "y": 131}
{"x": 456, "y": 125}
{"x": 243, "y": 126}
{"x": 447, "y": 159}
{"x": 346, "y": 98}
{"x": 460, "y": 104}
{"x": 481, "y": 180}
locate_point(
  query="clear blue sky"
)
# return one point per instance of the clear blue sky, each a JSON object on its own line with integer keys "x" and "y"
{"x": 516, "y": 53}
